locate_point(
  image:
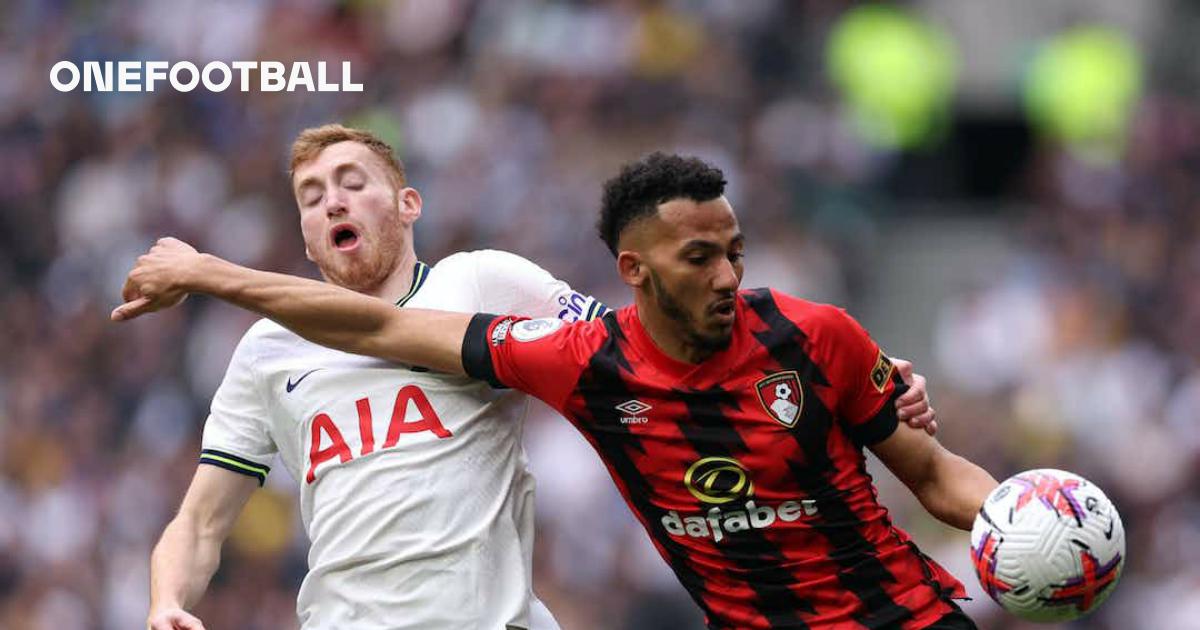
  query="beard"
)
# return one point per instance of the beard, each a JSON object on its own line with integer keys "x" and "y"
{"x": 673, "y": 308}
{"x": 366, "y": 275}
{"x": 375, "y": 263}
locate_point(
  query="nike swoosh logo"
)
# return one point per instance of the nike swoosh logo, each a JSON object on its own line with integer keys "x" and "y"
{"x": 291, "y": 385}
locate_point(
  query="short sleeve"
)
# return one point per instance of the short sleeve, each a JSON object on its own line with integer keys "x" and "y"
{"x": 541, "y": 357}
{"x": 236, "y": 435}
{"x": 511, "y": 284}
{"x": 868, "y": 384}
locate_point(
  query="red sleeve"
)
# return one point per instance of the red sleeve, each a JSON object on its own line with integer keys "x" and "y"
{"x": 541, "y": 357}
{"x": 866, "y": 381}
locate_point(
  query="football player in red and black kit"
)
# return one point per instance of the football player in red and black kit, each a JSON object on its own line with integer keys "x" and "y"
{"x": 733, "y": 422}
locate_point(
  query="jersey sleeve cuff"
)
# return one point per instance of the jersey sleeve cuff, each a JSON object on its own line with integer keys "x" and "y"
{"x": 476, "y": 352}
{"x": 882, "y": 425}
{"x": 229, "y": 461}
{"x": 596, "y": 310}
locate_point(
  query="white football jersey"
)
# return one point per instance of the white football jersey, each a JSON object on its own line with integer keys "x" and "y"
{"x": 413, "y": 485}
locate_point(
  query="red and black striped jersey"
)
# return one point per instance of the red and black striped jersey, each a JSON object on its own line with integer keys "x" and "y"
{"x": 747, "y": 469}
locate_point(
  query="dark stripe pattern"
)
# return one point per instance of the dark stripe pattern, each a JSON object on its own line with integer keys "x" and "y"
{"x": 476, "y": 355}
{"x": 231, "y": 462}
{"x": 862, "y": 573}
{"x": 756, "y": 560}
{"x": 883, "y": 424}
{"x": 420, "y": 273}
{"x": 601, "y": 389}
{"x": 596, "y": 309}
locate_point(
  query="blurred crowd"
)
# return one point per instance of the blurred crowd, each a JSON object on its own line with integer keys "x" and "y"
{"x": 1079, "y": 350}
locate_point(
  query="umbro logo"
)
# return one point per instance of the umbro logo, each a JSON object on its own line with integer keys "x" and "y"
{"x": 633, "y": 410}
{"x": 293, "y": 384}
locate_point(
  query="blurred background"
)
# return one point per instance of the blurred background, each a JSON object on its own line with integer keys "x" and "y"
{"x": 1005, "y": 193}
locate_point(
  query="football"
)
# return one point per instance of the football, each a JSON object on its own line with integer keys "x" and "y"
{"x": 1048, "y": 545}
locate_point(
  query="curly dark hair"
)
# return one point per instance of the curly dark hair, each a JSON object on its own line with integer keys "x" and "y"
{"x": 641, "y": 186}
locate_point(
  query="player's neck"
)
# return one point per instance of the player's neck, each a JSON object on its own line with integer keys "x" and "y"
{"x": 399, "y": 281}
{"x": 667, "y": 335}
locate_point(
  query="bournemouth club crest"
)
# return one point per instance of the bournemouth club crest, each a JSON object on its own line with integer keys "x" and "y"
{"x": 782, "y": 397}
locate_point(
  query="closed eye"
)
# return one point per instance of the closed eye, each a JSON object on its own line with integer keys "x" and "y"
{"x": 352, "y": 177}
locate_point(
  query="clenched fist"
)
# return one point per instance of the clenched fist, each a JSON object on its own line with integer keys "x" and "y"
{"x": 158, "y": 280}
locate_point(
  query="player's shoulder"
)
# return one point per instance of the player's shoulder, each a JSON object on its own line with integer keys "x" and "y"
{"x": 263, "y": 329}
{"x": 266, "y": 333}
{"x": 486, "y": 257}
{"x": 817, "y": 320}
{"x": 258, "y": 340}
{"x": 458, "y": 261}
{"x": 489, "y": 265}
{"x": 799, "y": 310}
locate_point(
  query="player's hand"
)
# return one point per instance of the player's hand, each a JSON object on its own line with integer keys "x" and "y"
{"x": 156, "y": 281}
{"x": 913, "y": 407}
{"x": 172, "y": 619}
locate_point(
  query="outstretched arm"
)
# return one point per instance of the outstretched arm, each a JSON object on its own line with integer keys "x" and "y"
{"x": 950, "y": 487}
{"x": 320, "y": 312}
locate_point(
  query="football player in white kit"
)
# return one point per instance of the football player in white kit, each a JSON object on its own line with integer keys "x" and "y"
{"x": 413, "y": 485}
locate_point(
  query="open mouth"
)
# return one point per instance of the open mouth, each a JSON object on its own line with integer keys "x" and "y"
{"x": 344, "y": 237}
{"x": 724, "y": 310}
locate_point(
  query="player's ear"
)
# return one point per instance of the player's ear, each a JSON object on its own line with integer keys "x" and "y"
{"x": 631, "y": 268}
{"x": 308, "y": 254}
{"x": 408, "y": 203}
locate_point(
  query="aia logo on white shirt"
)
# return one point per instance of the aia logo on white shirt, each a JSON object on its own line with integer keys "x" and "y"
{"x": 633, "y": 411}
{"x": 324, "y": 429}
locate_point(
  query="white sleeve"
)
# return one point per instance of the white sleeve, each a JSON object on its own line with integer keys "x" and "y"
{"x": 236, "y": 435}
{"x": 511, "y": 285}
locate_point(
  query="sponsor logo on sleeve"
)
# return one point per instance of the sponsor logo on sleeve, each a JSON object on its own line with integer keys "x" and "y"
{"x": 534, "y": 329}
{"x": 578, "y": 307}
{"x": 882, "y": 372}
{"x": 500, "y": 332}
